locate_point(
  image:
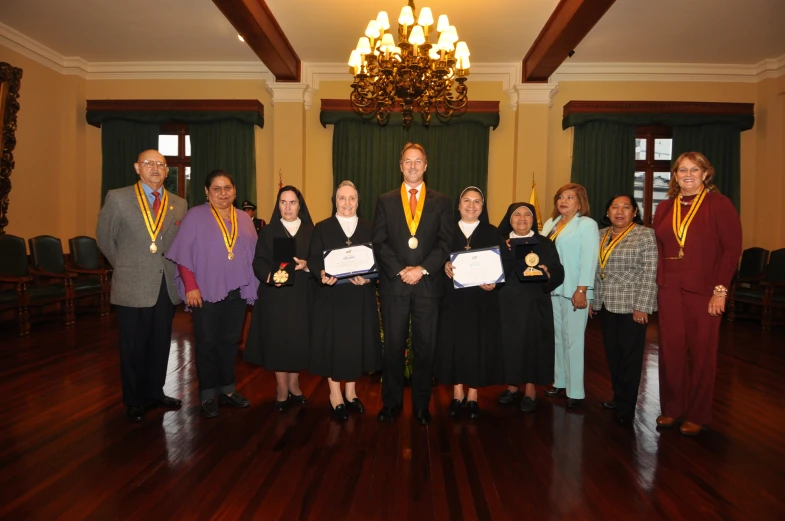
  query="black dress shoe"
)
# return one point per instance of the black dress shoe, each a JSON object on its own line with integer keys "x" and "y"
{"x": 165, "y": 401}
{"x": 340, "y": 412}
{"x": 455, "y": 407}
{"x": 235, "y": 400}
{"x": 554, "y": 392}
{"x": 474, "y": 410}
{"x": 135, "y": 414}
{"x": 528, "y": 405}
{"x": 423, "y": 416}
{"x": 281, "y": 406}
{"x": 574, "y": 403}
{"x": 299, "y": 399}
{"x": 209, "y": 408}
{"x": 508, "y": 397}
{"x": 354, "y": 405}
{"x": 609, "y": 405}
{"x": 388, "y": 413}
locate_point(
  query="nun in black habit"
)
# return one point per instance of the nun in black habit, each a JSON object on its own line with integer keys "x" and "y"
{"x": 279, "y": 336}
{"x": 528, "y": 340}
{"x": 345, "y": 336}
{"x": 468, "y": 350}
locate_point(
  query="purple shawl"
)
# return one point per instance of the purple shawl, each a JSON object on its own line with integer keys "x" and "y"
{"x": 199, "y": 247}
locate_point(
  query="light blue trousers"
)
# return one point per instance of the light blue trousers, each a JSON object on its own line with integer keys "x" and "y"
{"x": 570, "y": 329}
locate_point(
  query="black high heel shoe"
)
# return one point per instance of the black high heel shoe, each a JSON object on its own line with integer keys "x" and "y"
{"x": 339, "y": 413}
{"x": 354, "y": 405}
{"x": 281, "y": 406}
{"x": 455, "y": 407}
{"x": 474, "y": 410}
{"x": 298, "y": 399}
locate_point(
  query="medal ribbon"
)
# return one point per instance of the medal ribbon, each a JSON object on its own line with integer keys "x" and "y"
{"x": 229, "y": 239}
{"x": 553, "y": 236}
{"x": 607, "y": 248}
{"x": 680, "y": 227}
{"x": 412, "y": 223}
{"x": 153, "y": 224}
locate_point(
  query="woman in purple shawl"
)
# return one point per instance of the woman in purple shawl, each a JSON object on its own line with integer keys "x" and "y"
{"x": 214, "y": 251}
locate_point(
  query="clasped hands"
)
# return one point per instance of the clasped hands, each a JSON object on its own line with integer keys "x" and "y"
{"x": 411, "y": 274}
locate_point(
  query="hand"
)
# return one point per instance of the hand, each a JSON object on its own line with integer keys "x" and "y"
{"x": 449, "y": 269}
{"x": 488, "y": 287}
{"x": 592, "y": 313}
{"x": 329, "y": 281}
{"x": 507, "y": 242}
{"x": 544, "y": 268}
{"x": 578, "y": 300}
{"x": 359, "y": 281}
{"x": 640, "y": 317}
{"x": 300, "y": 264}
{"x": 716, "y": 305}
{"x": 193, "y": 298}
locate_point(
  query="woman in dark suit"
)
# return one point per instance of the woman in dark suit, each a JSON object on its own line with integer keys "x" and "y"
{"x": 699, "y": 243}
{"x": 345, "y": 336}
{"x": 467, "y": 346}
{"x": 625, "y": 294}
{"x": 280, "y": 325}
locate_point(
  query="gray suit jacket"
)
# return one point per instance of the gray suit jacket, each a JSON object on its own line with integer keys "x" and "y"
{"x": 124, "y": 240}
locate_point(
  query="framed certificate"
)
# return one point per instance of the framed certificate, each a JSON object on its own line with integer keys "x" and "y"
{"x": 526, "y": 252}
{"x": 476, "y": 267}
{"x": 345, "y": 263}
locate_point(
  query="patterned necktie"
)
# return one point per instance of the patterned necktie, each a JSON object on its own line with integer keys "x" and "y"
{"x": 413, "y": 201}
{"x": 156, "y": 203}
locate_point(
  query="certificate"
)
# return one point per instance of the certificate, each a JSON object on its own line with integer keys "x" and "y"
{"x": 344, "y": 263}
{"x": 476, "y": 267}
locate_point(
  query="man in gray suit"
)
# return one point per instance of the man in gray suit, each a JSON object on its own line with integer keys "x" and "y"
{"x": 136, "y": 226}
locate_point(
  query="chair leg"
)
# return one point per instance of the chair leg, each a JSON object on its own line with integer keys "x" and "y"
{"x": 23, "y": 319}
{"x": 70, "y": 317}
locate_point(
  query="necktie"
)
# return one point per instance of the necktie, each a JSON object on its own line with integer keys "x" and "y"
{"x": 413, "y": 201}
{"x": 156, "y": 203}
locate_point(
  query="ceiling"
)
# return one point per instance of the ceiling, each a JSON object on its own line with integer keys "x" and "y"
{"x": 324, "y": 31}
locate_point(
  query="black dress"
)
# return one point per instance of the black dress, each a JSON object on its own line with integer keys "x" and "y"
{"x": 468, "y": 346}
{"x": 528, "y": 340}
{"x": 278, "y": 338}
{"x": 345, "y": 337}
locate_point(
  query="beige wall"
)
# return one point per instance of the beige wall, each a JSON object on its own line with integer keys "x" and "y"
{"x": 56, "y": 183}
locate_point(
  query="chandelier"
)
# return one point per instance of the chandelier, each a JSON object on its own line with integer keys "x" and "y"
{"x": 420, "y": 75}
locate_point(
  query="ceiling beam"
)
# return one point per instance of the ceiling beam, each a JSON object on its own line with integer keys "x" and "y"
{"x": 569, "y": 23}
{"x": 254, "y": 21}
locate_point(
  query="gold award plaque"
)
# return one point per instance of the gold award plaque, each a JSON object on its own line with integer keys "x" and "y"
{"x": 532, "y": 259}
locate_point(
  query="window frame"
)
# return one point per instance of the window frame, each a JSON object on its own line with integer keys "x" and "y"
{"x": 180, "y": 161}
{"x": 648, "y": 166}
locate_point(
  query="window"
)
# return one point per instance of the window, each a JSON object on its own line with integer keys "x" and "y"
{"x": 175, "y": 144}
{"x": 652, "y": 168}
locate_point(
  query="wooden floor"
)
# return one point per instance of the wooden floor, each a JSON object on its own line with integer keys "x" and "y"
{"x": 67, "y": 451}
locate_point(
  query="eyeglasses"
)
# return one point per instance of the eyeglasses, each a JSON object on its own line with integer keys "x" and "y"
{"x": 226, "y": 189}
{"x": 152, "y": 164}
{"x": 410, "y": 162}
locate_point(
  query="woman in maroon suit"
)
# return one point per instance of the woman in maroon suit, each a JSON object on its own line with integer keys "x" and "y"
{"x": 699, "y": 243}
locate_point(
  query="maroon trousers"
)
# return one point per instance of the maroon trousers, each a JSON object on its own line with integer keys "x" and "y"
{"x": 687, "y": 333}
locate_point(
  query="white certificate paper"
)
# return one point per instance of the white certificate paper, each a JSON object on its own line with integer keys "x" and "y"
{"x": 476, "y": 267}
{"x": 347, "y": 262}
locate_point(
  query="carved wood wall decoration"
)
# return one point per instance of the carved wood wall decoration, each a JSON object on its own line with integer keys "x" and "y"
{"x": 10, "y": 81}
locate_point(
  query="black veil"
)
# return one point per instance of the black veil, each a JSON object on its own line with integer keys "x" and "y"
{"x": 303, "y": 214}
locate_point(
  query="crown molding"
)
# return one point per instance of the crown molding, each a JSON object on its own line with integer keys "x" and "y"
{"x": 531, "y": 94}
{"x": 285, "y": 92}
{"x": 18, "y": 42}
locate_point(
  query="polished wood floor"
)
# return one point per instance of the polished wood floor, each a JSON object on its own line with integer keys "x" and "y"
{"x": 67, "y": 451}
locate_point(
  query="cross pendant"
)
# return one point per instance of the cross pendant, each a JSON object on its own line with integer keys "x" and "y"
{"x": 348, "y": 242}
{"x": 467, "y": 247}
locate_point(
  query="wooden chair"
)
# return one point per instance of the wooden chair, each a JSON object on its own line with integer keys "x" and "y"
{"x": 15, "y": 280}
{"x": 746, "y": 294}
{"x": 46, "y": 254}
{"x": 774, "y": 301}
{"x": 93, "y": 277}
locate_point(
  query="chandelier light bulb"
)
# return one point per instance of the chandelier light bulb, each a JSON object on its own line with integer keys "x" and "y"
{"x": 417, "y": 37}
{"x": 426, "y": 17}
{"x": 452, "y": 32}
{"x": 372, "y": 31}
{"x": 364, "y": 46}
{"x": 355, "y": 60}
{"x": 445, "y": 43}
{"x": 383, "y": 21}
{"x": 388, "y": 44}
{"x": 461, "y": 50}
{"x": 443, "y": 24}
{"x": 463, "y": 63}
{"x": 434, "y": 53}
{"x": 407, "y": 17}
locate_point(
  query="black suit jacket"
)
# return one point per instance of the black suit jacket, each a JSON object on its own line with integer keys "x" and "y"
{"x": 391, "y": 236}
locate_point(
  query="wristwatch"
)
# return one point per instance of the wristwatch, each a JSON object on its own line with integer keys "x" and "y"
{"x": 424, "y": 272}
{"x": 582, "y": 291}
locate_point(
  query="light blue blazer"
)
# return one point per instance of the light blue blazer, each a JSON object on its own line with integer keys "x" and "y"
{"x": 578, "y": 246}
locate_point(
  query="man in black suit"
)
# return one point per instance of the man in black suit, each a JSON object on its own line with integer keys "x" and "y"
{"x": 412, "y": 231}
{"x": 250, "y": 209}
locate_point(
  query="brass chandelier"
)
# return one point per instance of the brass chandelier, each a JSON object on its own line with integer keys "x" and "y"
{"x": 421, "y": 76}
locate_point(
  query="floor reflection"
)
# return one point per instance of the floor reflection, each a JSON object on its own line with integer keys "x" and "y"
{"x": 567, "y": 487}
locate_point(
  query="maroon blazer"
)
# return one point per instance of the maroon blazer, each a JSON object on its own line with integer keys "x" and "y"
{"x": 712, "y": 249}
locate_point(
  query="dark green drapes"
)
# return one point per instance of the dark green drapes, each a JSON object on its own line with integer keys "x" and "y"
{"x": 222, "y": 145}
{"x": 603, "y": 161}
{"x": 121, "y": 143}
{"x": 369, "y": 155}
{"x": 100, "y": 117}
{"x": 721, "y": 144}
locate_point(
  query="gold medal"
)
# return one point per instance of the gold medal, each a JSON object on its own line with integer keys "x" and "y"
{"x": 607, "y": 247}
{"x": 155, "y": 224}
{"x": 280, "y": 276}
{"x": 412, "y": 222}
{"x": 680, "y": 227}
{"x": 532, "y": 259}
{"x": 230, "y": 239}
{"x": 413, "y": 243}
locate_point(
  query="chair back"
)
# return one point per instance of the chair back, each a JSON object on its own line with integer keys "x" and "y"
{"x": 84, "y": 252}
{"x": 13, "y": 256}
{"x": 753, "y": 263}
{"x": 776, "y": 270}
{"x": 47, "y": 253}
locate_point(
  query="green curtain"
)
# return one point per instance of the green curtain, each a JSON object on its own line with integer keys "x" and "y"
{"x": 369, "y": 155}
{"x": 603, "y": 161}
{"x": 222, "y": 145}
{"x": 121, "y": 143}
{"x": 721, "y": 144}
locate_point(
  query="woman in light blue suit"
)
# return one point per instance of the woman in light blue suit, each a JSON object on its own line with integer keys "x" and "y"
{"x": 577, "y": 240}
